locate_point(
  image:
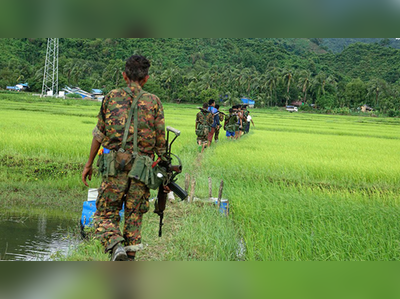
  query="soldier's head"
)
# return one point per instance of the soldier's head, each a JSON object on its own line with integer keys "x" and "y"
{"x": 205, "y": 106}
{"x": 137, "y": 69}
{"x": 217, "y": 107}
{"x": 211, "y": 103}
{"x": 230, "y": 111}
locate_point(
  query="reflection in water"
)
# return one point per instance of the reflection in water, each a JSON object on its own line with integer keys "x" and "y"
{"x": 34, "y": 238}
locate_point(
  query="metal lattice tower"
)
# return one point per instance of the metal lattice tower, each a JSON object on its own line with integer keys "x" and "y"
{"x": 50, "y": 77}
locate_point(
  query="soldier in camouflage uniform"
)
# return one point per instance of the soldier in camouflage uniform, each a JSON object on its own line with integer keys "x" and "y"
{"x": 203, "y": 121}
{"x": 230, "y": 124}
{"x": 221, "y": 119}
{"x": 117, "y": 188}
{"x": 245, "y": 116}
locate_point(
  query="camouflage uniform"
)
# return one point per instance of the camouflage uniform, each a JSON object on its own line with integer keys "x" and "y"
{"x": 221, "y": 119}
{"x": 204, "y": 118}
{"x": 231, "y": 123}
{"x": 246, "y": 125}
{"x": 151, "y": 139}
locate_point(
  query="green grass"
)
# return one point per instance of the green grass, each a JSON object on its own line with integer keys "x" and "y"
{"x": 300, "y": 186}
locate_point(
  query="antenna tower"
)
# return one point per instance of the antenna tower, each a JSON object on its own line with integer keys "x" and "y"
{"x": 50, "y": 77}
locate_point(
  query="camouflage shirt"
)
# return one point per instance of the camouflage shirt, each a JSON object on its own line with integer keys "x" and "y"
{"x": 230, "y": 122}
{"x": 204, "y": 117}
{"x": 114, "y": 112}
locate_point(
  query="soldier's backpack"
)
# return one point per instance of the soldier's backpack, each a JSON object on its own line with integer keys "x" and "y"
{"x": 203, "y": 126}
{"x": 232, "y": 121}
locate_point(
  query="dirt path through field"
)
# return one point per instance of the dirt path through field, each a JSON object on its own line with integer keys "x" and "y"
{"x": 156, "y": 249}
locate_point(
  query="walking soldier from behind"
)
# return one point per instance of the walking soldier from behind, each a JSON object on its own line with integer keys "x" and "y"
{"x": 203, "y": 120}
{"x": 215, "y": 124}
{"x": 230, "y": 124}
{"x": 130, "y": 126}
{"x": 221, "y": 119}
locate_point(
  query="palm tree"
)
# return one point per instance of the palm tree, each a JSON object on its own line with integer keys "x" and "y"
{"x": 375, "y": 87}
{"x": 287, "y": 79}
{"x": 272, "y": 83}
{"x": 304, "y": 83}
{"x": 69, "y": 69}
{"x": 318, "y": 84}
{"x": 113, "y": 71}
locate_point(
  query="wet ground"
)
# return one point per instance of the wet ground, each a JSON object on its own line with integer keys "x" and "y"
{"x": 35, "y": 238}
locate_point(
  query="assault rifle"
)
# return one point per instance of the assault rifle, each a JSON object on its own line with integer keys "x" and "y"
{"x": 172, "y": 171}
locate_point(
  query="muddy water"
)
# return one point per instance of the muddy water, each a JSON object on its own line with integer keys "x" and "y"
{"x": 34, "y": 238}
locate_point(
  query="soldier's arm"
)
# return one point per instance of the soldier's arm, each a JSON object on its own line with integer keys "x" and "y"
{"x": 159, "y": 123}
{"x": 88, "y": 169}
{"x": 100, "y": 129}
{"x": 98, "y": 137}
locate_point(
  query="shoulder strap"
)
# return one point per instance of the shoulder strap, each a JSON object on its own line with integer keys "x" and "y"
{"x": 128, "y": 122}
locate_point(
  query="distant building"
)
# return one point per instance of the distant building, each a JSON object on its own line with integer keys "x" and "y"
{"x": 297, "y": 103}
{"x": 249, "y": 102}
{"x": 366, "y": 108}
{"x": 95, "y": 94}
{"x": 19, "y": 87}
{"x": 98, "y": 94}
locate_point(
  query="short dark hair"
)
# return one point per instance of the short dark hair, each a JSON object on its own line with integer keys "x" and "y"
{"x": 230, "y": 110}
{"x": 210, "y": 102}
{"x": 205, "y": 106}
{"x": 217, "y": 106}
{"x": 137, "y": 67}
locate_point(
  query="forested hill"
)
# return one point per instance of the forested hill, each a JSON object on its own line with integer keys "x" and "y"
{"x": 366, "y": 61}
{"x": 337, "y": 45}
{"x": 272, "y": 71}
{"x": 86, "y": 61}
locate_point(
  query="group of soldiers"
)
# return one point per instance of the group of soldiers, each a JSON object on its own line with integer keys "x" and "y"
{"x": 210, "y": 120}
{"x": 131, "y": 129}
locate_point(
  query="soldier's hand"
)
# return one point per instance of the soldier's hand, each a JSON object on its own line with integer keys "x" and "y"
{"x": 87, "y": 173}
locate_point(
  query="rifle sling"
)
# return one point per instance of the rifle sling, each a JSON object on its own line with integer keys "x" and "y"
{"x": 133, "y": 110}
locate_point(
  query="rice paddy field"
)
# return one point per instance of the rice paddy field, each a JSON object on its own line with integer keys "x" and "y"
{"x": 301, "y": 187}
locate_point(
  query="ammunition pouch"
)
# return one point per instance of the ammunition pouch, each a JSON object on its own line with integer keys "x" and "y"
{"x": 113, "y": 163}
{"x": 106, "y": 165}
{"x": 123, "y": 161}
{"x": 143, "y": 171}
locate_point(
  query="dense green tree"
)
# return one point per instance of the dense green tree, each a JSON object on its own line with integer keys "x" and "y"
{"x": 356, "y": 93}
{"x": 272, "y": 71}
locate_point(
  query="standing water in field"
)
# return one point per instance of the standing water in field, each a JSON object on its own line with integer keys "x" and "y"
{"x": 34, "y": 238}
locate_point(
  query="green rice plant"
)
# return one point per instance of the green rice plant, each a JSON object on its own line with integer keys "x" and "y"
{"x": 300, "y": 186}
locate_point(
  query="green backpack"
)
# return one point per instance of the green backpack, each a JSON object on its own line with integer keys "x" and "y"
{"x": 202, "y": 128}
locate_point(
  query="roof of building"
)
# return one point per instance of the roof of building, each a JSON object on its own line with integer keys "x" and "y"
{"x": 97, "y": 91}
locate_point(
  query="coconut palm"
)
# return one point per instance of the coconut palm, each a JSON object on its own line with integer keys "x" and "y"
{"x": 272, "y": 83}
{"x": 318, "y": 84}
{"x": 287, "y": 79}
{"x": 304, "y": 83}
{"x": 375, "y": 88}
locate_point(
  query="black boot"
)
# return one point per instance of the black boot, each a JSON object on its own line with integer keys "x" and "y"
{"x": 119, "y": 254}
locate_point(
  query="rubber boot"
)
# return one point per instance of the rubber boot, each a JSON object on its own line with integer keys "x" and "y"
{"x": 119, "y": 254}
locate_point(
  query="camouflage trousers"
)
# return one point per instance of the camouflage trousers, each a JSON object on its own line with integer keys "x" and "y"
{"x": 109, "y": 203}
{"x": 216, "y": 134}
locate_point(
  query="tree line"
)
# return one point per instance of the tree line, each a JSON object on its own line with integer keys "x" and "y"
{"x": 273, "y": 72}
